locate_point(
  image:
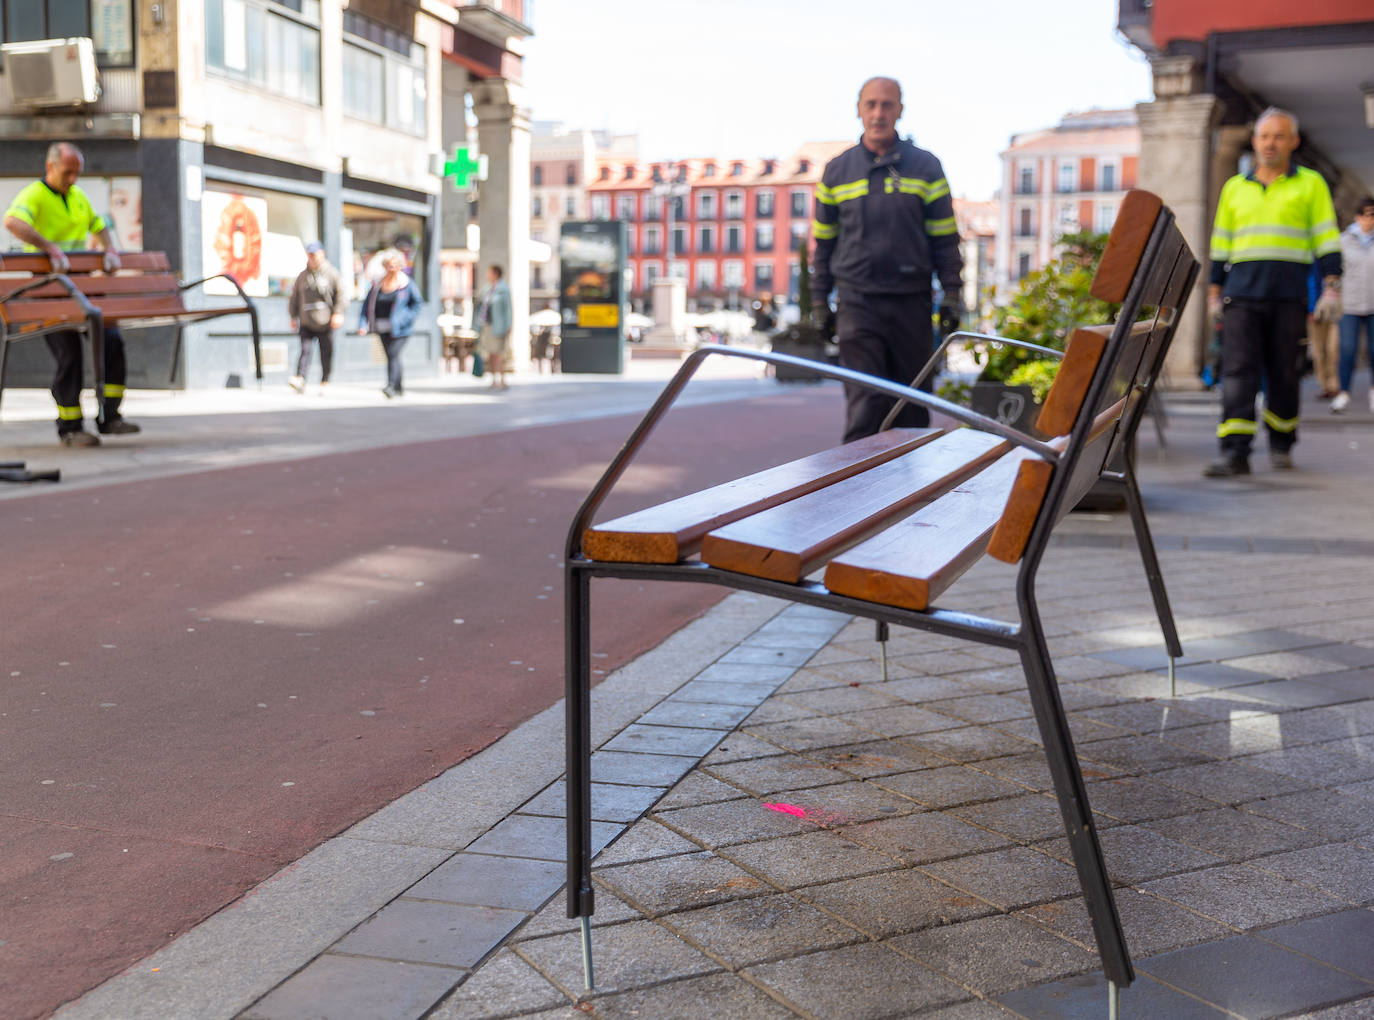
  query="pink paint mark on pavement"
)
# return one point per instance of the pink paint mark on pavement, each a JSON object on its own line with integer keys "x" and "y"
{"x": 787, "y": 809}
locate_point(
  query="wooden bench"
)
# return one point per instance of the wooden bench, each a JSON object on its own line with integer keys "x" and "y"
{"x": 142, "y": 294}
{"x": 894, "y": 520}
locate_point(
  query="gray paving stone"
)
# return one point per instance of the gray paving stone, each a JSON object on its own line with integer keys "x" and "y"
{"x": 1216, "y": 674}
{"x": 920, "y": 839}
{"x": 423, "y": 931}
{"x": 1284, "y": 665}
{"x": 1028, "y": 769}
{"x": 1344, "y": 940}
{"x": 808, "y": 734}
{"x": 1143, "y": 717}
{"x": 1025, "y": 818}
{"x": 697, "y": 714}
{"x": 638, "y": 769}
{"x": 739, "y": 746}
{"x": 504, "y": 986}
{"x": 862, "y": 982}
{"x": 481, "y": 880}
{"x": 1333, "y": 814}
{"x": 776, "y": 710}
{"x": 901, "y": 720}
{"x": 1256, "y": 642}
{"x": 679, "y": 883}
{"x": 834, "y": 700}
{"x": 538, "y": 836}
{"x": 847, "y": 803}
{"x": 974, "y": 1009}
{"x": 1233, "y": 834}
{"x": 1241, "y": 896}
{"x": 950, "y": 786}
{"x": 664, "y": 740}
{"x": 699, "y": 788}
{"x": 763, "y": 776}
{"x": 1010, "y": 878}
{"x": 894, "y": 902}
{"x": 728, "y": 995}
{"x": 553, "y": 919}
{"x": 730, "y": 822}
{"x": 1131, "y": 799}
{"x": 1354, "y": 1009}
{"x": 1139, "y": 754}
{"x": 875, "y": 758}
{"x": 1343, "y": 869}
{"x": 1357, "y": 681}
{"x": 1135, "y": 855}
{"x": 746, "y": 932}
{"x": 920, "y": 690}
{"x": 996, "y": 954}
{"x": 1152, "y": 925}
{"x": 1235, "y": 739}
{"x": 745, "y": 672}
{"x": 708, "y": 692}
{"x": 759, "y": 655}
{"x": 808, "y": 858}
{"x": 627, "y": 956}
{"x": 611, "y": 802}
{"x": 1302, "y": 693}
{"x": 1230, "y": 782}
{"x": 968, "y": 744}
{"x": 1084, "y": 997}
{"x": 349, "y": 988}
{"x": 1252, "y": 978}
{"x": 1316, "y": 765}
{"x": 644, "y": 841}
{"x": 981, "y": 708}
{"x": 1149, "y": 657}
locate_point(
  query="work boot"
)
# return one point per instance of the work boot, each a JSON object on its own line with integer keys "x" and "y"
{"x": 78, "y": 437}
{"x": 1228, "y": 467}
{"x": 118, "y": 426}
{"x": 1281, "y": 460}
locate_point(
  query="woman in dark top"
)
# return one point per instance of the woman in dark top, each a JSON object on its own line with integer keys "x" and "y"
{"x": 389, "y": 311}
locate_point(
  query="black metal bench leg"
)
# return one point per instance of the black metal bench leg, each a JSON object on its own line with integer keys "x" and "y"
{"x": 1152, "y": 572}
{"x": 881, "y": 636}
{"x": 4, "y": 357}
{"x": 578, "y": 705}
{"x": 1073, "y": 804}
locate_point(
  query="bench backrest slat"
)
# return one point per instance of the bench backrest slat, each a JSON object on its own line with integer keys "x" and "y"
{"x": 113, "y": 308}
{"x": 1135, "y": 221}
{"x": 99, "y": 286}
{"x": 674, "y": 530}
{"x": 84, "y": 262}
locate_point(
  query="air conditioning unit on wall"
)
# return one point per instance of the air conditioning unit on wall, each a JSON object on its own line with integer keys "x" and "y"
{"x": 51, "y": 72}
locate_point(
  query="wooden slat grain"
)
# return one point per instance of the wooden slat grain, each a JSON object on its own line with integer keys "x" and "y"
{"x": 789, "y": 541}
{"x": 113, "y": 308}
{"x": 672, "y": 531}
{"x": 84, "y": 262}
{"x": 1135, "y": 220}
{"x": 139, "y": 283}
{"x": 913, "y": 561}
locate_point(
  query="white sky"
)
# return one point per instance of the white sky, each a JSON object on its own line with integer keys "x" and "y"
{"x": 755, "y": 78}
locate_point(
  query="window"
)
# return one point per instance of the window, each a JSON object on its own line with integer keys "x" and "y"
{"x": 799, "y": 197}
{"x": 706, "y": 240}
{"x": 383, "y": 75}
{"x": 605, "y": 174}
{"x": 678, "y": 271}
{"x": 570, "y": 206}
{"x": 1024, "y": 228}
{"x": 109, "y": 26}
{"x": 1106, "y": 216}
{"x": 706, "y": 205}
{"x": 537, "y": 206}
{"x": 652, "y": 271}
{"x": 734, "y": 205}
{"x": 537, "y": 176}
{"x": 678, "y": 205}
{"x": 629, "y": 173}
{"x": 736, "y": 169}
{"x": 804, "y": 166}
{"x": 1068, "y": 177}
{"x": 267, "y": 45}
{"x": 601, "y": 207}
{"x": 706, "y": 276}
{"x": 653, "y": 207}
{"x": 763, "y": 237}
{"x": 734, "y": 239}
{"x": 679, "y": 240}
{"x": 801, "y": 234}
{"x": 657, "y": 174}
{"x": 1023, "y": 265}
{"x": 653, "y": 241}
{"x": 1068, "y": 217}
{"x": 768, "y": 166}
{"x": 709, "y": 171}
{"x": 1108, "y": 176}
{"x": 732, "y": 274}
{"x": 629, "y": 240}
{"x": 571, "y": 177}
{"x": 763, "y": 277}
{"x": 624, "y": 207}
{"x": 763, "y": 204}
{"x": 1026, "y": 185}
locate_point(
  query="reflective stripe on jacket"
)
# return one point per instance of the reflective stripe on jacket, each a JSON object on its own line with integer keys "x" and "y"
{"x": 1265, "y": 238}
{"x": 885, "y": 224}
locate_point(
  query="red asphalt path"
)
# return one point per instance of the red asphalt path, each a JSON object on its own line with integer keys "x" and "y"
{"x": 204, "y": 677}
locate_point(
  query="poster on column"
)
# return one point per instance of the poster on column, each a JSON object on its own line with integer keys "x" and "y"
{"x": 233, "y": 228}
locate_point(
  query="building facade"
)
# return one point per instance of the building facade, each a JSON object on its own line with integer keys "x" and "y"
{"x": 728, "y": 228}
{"x": 977, "y": 222}
{"x": 230, "y": 134}
{"x": 1062, "y": 180}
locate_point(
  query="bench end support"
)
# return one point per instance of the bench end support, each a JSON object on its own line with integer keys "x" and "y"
{"x": 587, "y": 976}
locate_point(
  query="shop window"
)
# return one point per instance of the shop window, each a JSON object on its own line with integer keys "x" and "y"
{"x": 256, "y": 236}
{"x": 265, "y": 44}
{"x": 108, "y": 24}
{"x": 369, "y": 232}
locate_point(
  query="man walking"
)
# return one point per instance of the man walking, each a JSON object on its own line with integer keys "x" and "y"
{"x": 884, "y": 225}
{"x": 493, "y": 322}
{"x": 54, "y": 216}
{"x": 316, "y": 307}
{"x": 1270, "y": 226}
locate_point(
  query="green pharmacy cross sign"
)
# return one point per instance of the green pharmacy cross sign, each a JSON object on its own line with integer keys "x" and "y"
{"x": 463, "y": 168}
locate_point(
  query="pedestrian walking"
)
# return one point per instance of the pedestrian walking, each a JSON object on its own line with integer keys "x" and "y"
{"x": 389, "y": 310}
{"x": 1271, "y": 224}
{"x": 53, "y": 216}
{"x": 1357, "y": 296}
{"x": 493, "y": 322}
{"x": 1323, "y": 318}
{"x": 883, "y": 226}
{"x": 316, "y": 308}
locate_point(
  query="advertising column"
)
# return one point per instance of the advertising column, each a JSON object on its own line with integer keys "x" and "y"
{"x": 593, "y": 296}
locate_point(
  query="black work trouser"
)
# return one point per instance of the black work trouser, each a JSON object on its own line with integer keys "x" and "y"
{"x": 66, "y": 382}
{"x": 326, "y": 340}
{"x": 890, "y": 336}
{"x": 1261, "y": 342}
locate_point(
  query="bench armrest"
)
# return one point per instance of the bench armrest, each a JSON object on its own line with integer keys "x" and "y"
{"x": 249, "y": 307}
{"x": 94, "y": 319}
{"x": 692, "y": 362}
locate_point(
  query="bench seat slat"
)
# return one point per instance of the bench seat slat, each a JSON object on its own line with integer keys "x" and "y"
{"x": 913, "y": 561}
{"x": 84, "y": 262}
{"x": 114, "y": 308}
{"x": 672, "y": 531}
{"x": 789, "y": 541}
{"x": 141, "y": 283}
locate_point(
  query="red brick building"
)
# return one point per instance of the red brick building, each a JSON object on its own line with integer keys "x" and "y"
{"x": 728, "y": 228}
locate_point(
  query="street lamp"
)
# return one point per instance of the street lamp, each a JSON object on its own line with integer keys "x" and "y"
{"x": 668, "y": 191}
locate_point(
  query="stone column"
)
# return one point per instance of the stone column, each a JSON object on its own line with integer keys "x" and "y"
{"x": 1175, "y": 163}
{"x": 503, "y": 137}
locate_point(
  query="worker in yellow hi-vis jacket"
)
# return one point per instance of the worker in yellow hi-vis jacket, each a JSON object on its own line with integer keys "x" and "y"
{"x": 1271, "y": 224}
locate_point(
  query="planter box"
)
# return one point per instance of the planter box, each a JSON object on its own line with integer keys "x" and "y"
{"x": 802, "y": 343}
{"x": 1011, "y": 405}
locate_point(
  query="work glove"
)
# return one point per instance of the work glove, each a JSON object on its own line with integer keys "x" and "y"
{"x": 824, "y": 318}
{"x": 950, "y": 315}
{"x": 1328, "y": 307}
{"x": 110, "y": 261}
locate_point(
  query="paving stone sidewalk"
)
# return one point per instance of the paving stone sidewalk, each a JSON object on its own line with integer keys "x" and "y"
{"x": 788, "y": 835}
